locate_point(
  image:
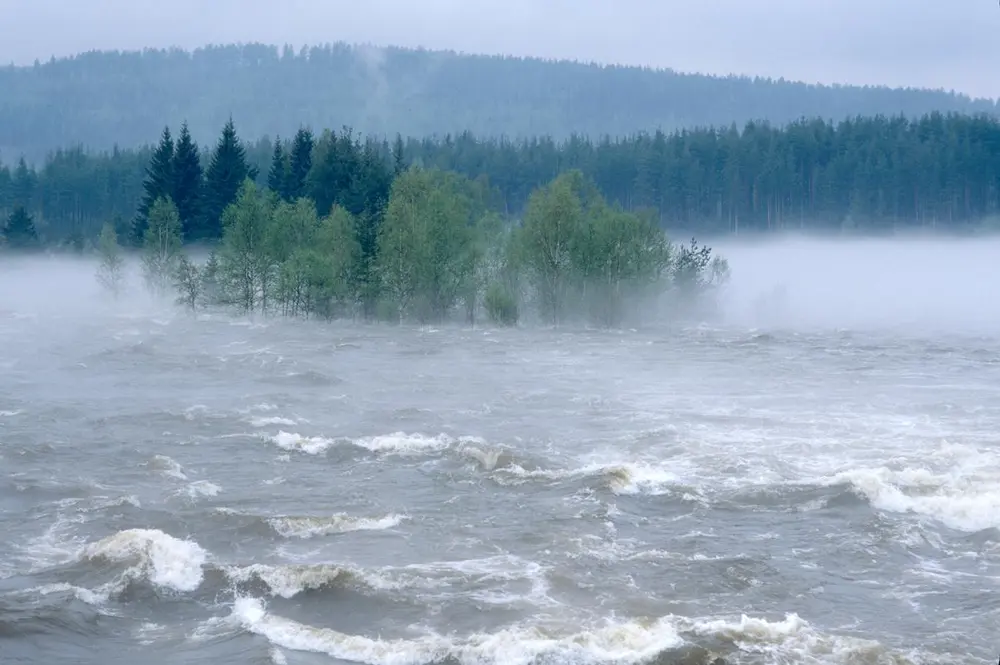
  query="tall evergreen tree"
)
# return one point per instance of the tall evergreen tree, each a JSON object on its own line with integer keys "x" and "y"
{"x": 159, "y": 182}
{"x": 277, "y": 177}
{"x": 20, "y": 230}
{"x": 299, "y": 165}
{"x": 226, "y": 173}
{"x": 398, "y": 159}
{"x": 188, "y": 185}
{"x": 23, "y": 184}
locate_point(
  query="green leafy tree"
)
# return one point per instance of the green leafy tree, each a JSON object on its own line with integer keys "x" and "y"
{"x": 188, "y": 283}
{"x": 291, "y": 232}
{"x": 161, "y": 249}
{"x": 211, "y": 291}
{"x": 111, "y": 269}
{"x": 425, "y": 247}
{"x": 245, "y": 265}
{"x": 553, "y": 224}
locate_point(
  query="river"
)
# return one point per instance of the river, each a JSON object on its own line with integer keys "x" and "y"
{"x": 181, "y": 489}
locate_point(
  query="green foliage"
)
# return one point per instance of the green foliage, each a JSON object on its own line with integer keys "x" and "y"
{"x": 426, "y": 243}
{"x": 299, "y": 165}
{"x": 111, "y": 269}
{"x": 187, "y": 193}
{"x": 159, "y": 183}
{"x": 188, "y": 283}
{"x": 277, "y": 176}
{"x": 866, "y": 175}
{"x": 244, "y": 261}
{"x": 210, "y": 290}
{"x": 19, "y": 231}
{"x": 554, "y": 224}
{"x": 501, "y": 305}
{"x": 161, "y": 248}
{"x": 226, "y": 174}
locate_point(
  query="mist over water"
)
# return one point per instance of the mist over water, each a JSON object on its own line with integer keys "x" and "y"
{"x": 814, "y": 477}
{"x": 910, "y": 286}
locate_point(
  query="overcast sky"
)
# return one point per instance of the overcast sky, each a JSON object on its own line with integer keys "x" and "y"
{"x": 951, "y": 44}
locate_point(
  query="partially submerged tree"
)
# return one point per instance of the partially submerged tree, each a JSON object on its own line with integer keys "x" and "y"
{"x": 244, "y": 259}
{"x": 111, "y": 270}
{"x": 161, "y": 246}
{"x": 188, "y": 282}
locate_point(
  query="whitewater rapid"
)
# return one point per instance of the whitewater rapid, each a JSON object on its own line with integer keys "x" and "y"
{"x": 198, "y": 489}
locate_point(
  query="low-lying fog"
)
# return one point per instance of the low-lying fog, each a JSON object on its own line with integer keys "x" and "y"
{"x": 917, "y": 286}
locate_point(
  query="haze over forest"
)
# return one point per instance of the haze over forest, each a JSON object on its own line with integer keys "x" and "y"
{"x": 102, "y": 99}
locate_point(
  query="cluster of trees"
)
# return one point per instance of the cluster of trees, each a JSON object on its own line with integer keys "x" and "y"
{"x": 106, "y": 98}
{"x": 435, "y": 251}
{"x": 867, "y": 174}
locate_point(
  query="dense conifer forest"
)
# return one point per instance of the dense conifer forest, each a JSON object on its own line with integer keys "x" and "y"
{"x": 873, "y": 174}
{"x": 102, "y": 99}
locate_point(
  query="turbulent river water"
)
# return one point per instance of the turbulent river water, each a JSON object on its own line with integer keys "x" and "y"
{"x": 215, "y": 490}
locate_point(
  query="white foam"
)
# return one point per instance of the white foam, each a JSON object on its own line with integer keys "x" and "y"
{"x": 162, "y": 559}
{"x": 9, "y": 414}
{"x": 201, "y": 488}
{"x": 485, "y": 580}
{"x": 84, "y": 595}
{"x": 296, "y": 442}
{"x": 309, "y": 527}
{"x": 288, "y": 581}
{"x": 167, "y": 467}
{"x": 402, "y": 443}
{"x": 624, "y": 478}
{"x": 616, "y": 642}
{"x": 791, "y": 640}
{"x": 957, "y": 505}
{"x": 272, "y": 420}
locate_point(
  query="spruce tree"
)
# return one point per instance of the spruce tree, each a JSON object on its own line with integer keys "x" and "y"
{"x": 277, "y": 177}
{"x": 226, "y": 173}
{"x": 23, "y": 184}
{"x": 399, "y": 165}
{"x": 299, "y": 165}
{"x": 20, "y": 230}
{"x": 188, "y": 185}
{"x": 159, "y": 182}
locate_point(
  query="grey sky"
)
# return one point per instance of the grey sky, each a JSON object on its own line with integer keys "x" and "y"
{"x": 952, "y": 44}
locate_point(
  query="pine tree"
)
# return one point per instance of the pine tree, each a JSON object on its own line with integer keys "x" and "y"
{"x": 23, "y": 184}
{"x": 398, "y": 163}
{"x": 277, "y": 177}
{"x": 300, "y": 163}
{"x": 159, "y": 182}
{"x": 20, "y": 230}
{"x": 188, "y": 185}
{"x": 226, "y": 173}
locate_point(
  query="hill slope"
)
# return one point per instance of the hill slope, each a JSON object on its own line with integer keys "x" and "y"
{"x": 101, "y": 98}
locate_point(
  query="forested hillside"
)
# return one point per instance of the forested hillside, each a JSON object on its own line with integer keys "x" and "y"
{"x": 104, "y": 99}
{"x": 865, "y": 174}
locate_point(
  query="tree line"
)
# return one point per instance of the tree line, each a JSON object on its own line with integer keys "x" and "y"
{"x": 434, "y": 251}
{"x": 124, "y": 98}
{"x": 862, "y": 174}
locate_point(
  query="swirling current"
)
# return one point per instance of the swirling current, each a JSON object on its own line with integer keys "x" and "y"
{"x": 181, "y": 489}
